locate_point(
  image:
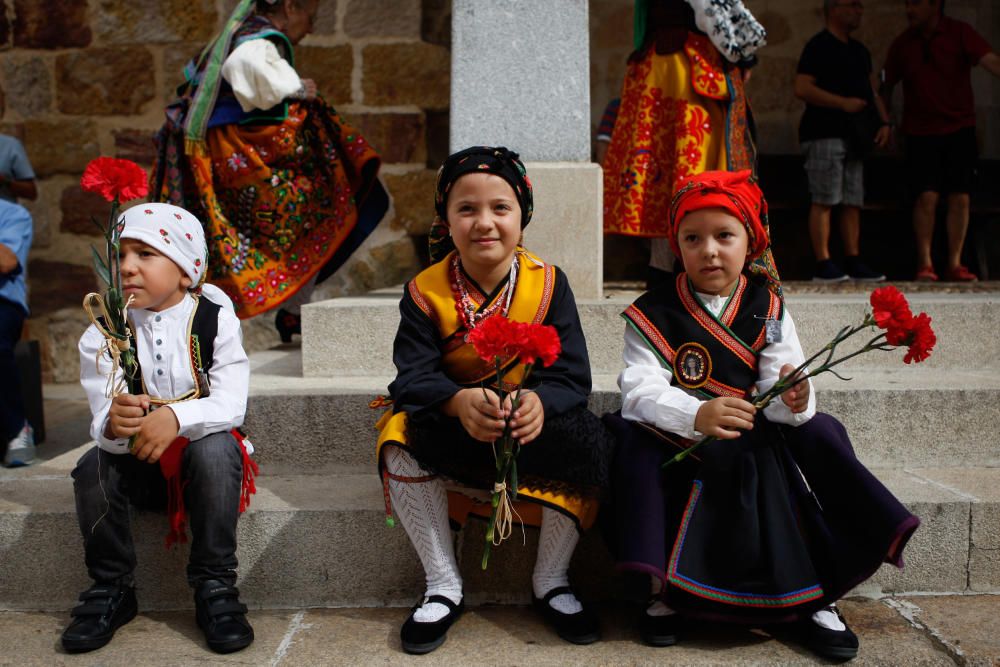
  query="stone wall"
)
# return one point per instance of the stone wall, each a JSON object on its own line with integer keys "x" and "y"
{"x": 91, "y": 77}
{"x": 789, "y": 24}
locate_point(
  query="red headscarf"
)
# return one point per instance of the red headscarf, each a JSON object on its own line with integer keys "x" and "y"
{"x": 737, "y": 193}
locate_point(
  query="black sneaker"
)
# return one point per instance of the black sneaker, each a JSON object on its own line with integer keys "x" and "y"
{"x": 102, "y": 610}
{"x": 222, "y": 617}
{"x": 833, "y": 644}
{"x": 828, "y": 272}
{"x": 858, "y": 270}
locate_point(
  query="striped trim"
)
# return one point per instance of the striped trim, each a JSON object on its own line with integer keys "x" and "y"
{"x": 547, "y": 290}
{"x": 713, "y": 326}
{"x": 418, "y": 299}
{"x": 650, "y": 333}
{"x": 735, "y": 300}
{"x": 716, "y": 594}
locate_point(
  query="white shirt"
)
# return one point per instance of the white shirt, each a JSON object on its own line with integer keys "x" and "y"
{"x": 162, "y": 341}
{"x": 259, "y": 76}
{"x": 648, "y": 396}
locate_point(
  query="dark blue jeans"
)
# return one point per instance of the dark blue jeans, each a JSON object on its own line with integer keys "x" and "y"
{"x": 212, "y": 471}
{"x": 11, "y": 402}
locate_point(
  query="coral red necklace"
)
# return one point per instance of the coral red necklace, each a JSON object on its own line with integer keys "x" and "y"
{"x": 466, "y": 307}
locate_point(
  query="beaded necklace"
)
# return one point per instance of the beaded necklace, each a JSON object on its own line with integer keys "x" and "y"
{"x": 466, "y": 307}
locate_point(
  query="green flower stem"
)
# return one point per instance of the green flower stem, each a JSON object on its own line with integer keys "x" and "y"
{"x": 784, "y": 384}
{"x": 506, "y": 476}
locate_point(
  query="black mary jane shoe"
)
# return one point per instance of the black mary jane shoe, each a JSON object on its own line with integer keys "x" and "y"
{"x": 840, "y": 645}
{"x": 287, "y": 325}
{"x": 579, "y": 628}
{"x": 419, "y": 638}
{"x": 659, "y": 630}
{"x": 102, "y": 610}
{"x": 222, "y": 617}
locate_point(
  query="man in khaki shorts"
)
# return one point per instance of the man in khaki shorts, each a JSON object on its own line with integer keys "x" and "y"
{"x": 834, "y": 78}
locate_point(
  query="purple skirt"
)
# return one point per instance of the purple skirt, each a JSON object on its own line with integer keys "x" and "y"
{"x": 765, "y": 528}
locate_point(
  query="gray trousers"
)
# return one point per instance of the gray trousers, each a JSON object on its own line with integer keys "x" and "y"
{"x": 106, "y": 486}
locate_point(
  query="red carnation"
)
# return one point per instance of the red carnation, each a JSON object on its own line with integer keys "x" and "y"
{"x": 494, "y": 337}
{"x": 922, "y": 339}
{"x": 115, "y": 178}
{"x": 538, "y": 341}
{"x": 890, "y": 309}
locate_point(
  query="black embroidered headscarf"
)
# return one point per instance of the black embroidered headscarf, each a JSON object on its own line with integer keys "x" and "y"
{"x": 491, "y": 160}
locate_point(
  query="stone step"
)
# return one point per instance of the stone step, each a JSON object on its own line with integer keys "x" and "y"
{"x": 903, "y": 416}
{"x": 920, "y": 630}
{"x": 307, "y": 539}
{"x": 353, "y": 336}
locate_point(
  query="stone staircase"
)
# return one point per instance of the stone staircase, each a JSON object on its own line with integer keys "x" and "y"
{"x": 315, "y": 534}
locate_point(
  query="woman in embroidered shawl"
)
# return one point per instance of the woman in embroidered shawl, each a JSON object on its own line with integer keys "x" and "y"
{"x": 286, "y": 189}
{"x": 434, "y": 448}
{"x": 683, "y": 111}
{"x": 777, "y": 519}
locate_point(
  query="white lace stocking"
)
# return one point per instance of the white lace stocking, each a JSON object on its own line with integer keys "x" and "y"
{"x": 423, "y": 509}
{"x": 556, "y": 543}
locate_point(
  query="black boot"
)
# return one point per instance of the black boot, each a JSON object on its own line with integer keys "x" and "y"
{"x": 287, "y": 325}
{"x": 222, "y": 617}
{"x": 103, "y": 609}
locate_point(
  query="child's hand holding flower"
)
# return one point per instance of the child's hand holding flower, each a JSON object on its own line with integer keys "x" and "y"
{"x": 796, "y": 398}
{"x": 478, "y": 411}
{"x": 529, "y": 418}
{"x": 126, "y": 414}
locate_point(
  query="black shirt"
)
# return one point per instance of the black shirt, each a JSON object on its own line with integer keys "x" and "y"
{"x": 840, "y": 68}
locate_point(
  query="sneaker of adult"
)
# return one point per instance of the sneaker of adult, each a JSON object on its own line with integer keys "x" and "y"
{"x": 858, "y": 270}
{"x": 102, "y": 610}
{"x": 925, "y": 274}
{"x": 826, "y": 634}
{"x": 960, "y": 274}
{"x": 21, "y": 450}
{"x": 828, "y": 272}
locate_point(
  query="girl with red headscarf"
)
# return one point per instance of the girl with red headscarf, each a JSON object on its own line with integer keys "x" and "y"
{"x": 775, "y": 520}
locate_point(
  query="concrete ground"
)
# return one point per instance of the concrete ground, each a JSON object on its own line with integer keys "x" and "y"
{"x": 939, "y": 630}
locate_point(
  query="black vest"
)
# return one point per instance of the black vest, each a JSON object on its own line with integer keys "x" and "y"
{"x": 716, "y": 356}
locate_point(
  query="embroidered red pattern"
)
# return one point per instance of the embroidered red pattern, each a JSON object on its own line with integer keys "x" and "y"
{"x": 711, "y": 325}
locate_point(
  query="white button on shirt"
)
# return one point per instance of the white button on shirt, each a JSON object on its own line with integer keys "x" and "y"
{"x": 648, "y": 396}
{"x": 167, "y": 373}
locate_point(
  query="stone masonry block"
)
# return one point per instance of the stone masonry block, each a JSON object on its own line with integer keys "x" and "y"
{"x": 984, "y": 552}
{"x": 413, "y": 196}
{"x": 409, "y": 73}
{"x": 65, "y": 146}
{"x": 135, "y": 145}
{"x": 51, "y": 24}
{"x": 64, "y": 284}
{"x": 398, "y": 137}
{"x": 104, "y": 81}
{"x": 770, "y": 85}
{"x": 79, "y": 208}
{"x": 326, "y": 18}
{"x": 382, "y": 18}
{"x": 154, "y": 21}
{"x": 28, "y": 87}
{"x": 174, "y": 60}
{"x": 330, "y": 67}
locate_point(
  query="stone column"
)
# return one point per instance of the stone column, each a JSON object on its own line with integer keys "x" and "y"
{"x": 520, "y": 78}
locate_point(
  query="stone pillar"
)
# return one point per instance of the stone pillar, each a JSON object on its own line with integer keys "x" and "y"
{"x": 520, "y": 78}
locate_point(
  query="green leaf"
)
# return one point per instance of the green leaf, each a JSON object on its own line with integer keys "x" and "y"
{"x": 103, "y": 228}
{"x": 100, "y": 266}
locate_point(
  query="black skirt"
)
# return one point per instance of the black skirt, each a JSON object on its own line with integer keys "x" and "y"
{"x": 572, "y": 454}
{"x": 768, "y": 527}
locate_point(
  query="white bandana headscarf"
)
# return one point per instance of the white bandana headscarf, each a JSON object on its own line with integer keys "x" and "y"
{"x": 172, "y": 231}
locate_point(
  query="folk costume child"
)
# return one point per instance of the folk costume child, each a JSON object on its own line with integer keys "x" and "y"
{"x": 437, "y": 437}
{"x": 171, "y": 440}
{"x": 777, "y": 519}
{"x": 286, "y": 189}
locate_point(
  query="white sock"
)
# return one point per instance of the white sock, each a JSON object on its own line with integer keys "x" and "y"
{"x": 827, "y": 618}
{"x": 423, "y": 509}
{"x": 556, "y": 543}
{"x": 658, "y": 608}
